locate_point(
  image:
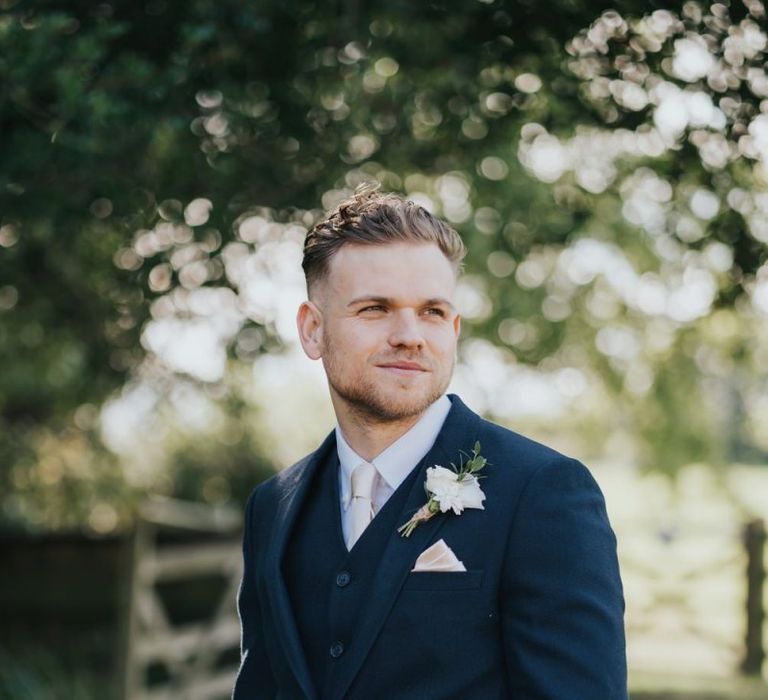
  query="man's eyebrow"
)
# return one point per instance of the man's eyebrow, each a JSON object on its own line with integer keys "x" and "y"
{"x": 439, "y": 301}
{"x": 375, "y": 299}
{"x": 436, "y": 301}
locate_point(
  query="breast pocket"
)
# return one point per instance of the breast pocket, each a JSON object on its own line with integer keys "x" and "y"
{"x": 444, "y": 580}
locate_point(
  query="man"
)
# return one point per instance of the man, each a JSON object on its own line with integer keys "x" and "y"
{"x": 510, "y": 593}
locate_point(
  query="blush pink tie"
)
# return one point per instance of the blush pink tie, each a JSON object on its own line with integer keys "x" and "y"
{"x": 361, "y": 507}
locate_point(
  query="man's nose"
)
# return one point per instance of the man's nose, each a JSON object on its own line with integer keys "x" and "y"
{"x": 405, "y": 330}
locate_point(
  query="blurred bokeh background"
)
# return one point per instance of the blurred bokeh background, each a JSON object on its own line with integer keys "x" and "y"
{"x": 160, "y": 162}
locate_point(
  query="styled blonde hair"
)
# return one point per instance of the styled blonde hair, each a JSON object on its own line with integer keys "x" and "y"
{"x": 370, "y": 217}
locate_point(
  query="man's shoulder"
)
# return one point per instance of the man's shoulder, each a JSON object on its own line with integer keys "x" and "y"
{"x": 520, "y": 455}
{"x": 288, "y": 478}
{"x": 498, "y": 436}
{"x": 281, "y": 482}
{"x": 524, "y": 465}
{"x": 284, "y": 478}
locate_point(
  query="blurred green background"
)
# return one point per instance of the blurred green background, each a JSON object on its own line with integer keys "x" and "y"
{"x": 160, "y": 162}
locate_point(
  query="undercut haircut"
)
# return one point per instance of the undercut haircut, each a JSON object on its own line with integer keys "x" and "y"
{"x": 370, "y": 217}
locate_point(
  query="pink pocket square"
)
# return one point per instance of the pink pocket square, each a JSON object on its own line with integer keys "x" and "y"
{"x": 438, "y": 557}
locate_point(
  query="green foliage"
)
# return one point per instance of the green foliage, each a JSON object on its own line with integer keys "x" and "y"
{"x": 475, "y": 463}
{"x": 38, "y": 673}
{"x": 139, "y": 138}
{"x": 112, "y": 114}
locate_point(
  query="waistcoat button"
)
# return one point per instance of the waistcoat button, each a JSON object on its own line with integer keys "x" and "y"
{"x": 343, "y": 578}
{"x": 337, "y": 649}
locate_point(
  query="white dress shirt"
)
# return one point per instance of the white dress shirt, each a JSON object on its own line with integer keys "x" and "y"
{"x": 394, "y": 464}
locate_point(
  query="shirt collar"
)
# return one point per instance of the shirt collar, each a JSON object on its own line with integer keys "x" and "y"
{"x": 396, "y": 461}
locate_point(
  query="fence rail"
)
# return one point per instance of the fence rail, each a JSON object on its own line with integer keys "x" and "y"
{"x": 166, "y": 658}
{"x": 703, "y": 587}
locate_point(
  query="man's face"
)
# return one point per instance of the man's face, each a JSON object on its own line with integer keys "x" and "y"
{"x": 384, "y": 324}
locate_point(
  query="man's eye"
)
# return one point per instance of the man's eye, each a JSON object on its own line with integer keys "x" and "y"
{"x": 376, "y": 307}
{"x": 435, "y": 312}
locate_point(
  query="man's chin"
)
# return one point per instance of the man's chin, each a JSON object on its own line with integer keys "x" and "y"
{"x": 402, "y": 410}
{"x": 391, "y": 406}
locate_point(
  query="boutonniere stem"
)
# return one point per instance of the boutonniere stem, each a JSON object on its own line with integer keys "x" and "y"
{"x": 453, "y": 489}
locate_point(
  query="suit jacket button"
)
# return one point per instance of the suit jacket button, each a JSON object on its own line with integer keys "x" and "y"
{"x": 343, "y": 578}
{"x": 337, "y": 649}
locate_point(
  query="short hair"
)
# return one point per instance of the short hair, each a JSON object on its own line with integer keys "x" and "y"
{"x": 370, "y": 217}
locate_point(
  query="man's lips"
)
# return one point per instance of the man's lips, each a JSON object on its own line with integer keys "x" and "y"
{"x": 403, "y": 366}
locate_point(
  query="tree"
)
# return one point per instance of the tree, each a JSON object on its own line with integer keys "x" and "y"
{"x": 152, "y": 152}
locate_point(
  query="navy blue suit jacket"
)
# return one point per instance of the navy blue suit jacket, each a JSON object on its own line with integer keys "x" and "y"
{"x": 537, "y": 615}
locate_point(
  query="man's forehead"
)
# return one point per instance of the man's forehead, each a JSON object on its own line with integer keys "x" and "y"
{"x": 353, "y": 257}
{"x": 392, "y": 266}
{"x": 387, "y": 270}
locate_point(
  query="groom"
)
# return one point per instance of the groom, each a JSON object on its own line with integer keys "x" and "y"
{"x": 509, "y": 593}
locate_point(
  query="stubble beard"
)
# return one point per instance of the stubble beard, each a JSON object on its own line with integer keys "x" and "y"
{"x": 372, "y": 404}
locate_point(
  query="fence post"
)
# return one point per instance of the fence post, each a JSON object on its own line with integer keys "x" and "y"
{"x": 754, "y": 545}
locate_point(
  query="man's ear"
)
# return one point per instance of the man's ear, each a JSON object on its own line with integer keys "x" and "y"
{"x": 457, "y": 325}
{"x": 309, "y": 321}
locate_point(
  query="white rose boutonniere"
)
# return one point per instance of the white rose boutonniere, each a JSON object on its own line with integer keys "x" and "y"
{"x": 453, "y": 489}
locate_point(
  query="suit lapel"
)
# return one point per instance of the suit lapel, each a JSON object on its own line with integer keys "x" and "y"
{"x": 400, "y": 553}
{"x": 293, "y": 493}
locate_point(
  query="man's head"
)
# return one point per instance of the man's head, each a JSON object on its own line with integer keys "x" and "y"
{"x": 373, "y": 218}
{"x": 381, "y": 275}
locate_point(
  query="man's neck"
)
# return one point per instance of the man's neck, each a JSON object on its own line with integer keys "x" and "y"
{"x": 369, "y": 437}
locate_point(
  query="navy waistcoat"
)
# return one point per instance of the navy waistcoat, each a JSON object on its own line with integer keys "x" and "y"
{"x": 329, "y": 586}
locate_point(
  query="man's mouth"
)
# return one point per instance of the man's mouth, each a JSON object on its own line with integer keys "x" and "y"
{"x": 403, "y": 367}
{"x": 403, "y": 364}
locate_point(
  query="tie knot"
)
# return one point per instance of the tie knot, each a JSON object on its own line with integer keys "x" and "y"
{"x": 362, "y": 480}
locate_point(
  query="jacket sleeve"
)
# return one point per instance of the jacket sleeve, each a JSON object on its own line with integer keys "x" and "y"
{"x": 562, "y": 603}
{"x": 255, "y": 678}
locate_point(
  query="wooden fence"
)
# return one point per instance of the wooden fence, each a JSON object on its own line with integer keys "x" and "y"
{"x": 696, "y": 603}
{"x": 180, "y": 632}
{"x": 191, "y": 552}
